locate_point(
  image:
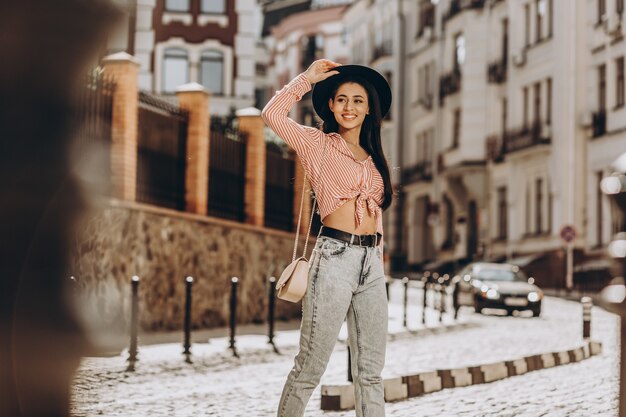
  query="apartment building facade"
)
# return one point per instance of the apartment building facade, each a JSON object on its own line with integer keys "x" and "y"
{"x": 512, "y": 116}
{"x": 211, "y": 42}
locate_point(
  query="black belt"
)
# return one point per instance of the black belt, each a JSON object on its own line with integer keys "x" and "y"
{"x": 357, "y": 240}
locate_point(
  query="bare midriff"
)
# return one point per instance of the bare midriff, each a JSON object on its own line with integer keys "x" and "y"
{"x": 343, "y": 219}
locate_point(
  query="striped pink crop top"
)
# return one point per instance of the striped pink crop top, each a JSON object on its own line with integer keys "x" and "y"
{"x": 343, "y": 177}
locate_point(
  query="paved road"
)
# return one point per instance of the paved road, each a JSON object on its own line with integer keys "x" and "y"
{"x": 217, "y": 384}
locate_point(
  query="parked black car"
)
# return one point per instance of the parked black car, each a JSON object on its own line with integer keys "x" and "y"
{"x": 500, "y": 286}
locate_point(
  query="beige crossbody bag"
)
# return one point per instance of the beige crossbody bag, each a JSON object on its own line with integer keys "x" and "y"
{"x": 294, "y": 280}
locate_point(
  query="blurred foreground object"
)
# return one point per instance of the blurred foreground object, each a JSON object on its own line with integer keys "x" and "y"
{"x": 613, "y": 297}
{"x": 46, "y": 48}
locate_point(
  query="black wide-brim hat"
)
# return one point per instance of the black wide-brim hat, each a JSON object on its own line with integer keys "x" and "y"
{"x": 322, "y": 89}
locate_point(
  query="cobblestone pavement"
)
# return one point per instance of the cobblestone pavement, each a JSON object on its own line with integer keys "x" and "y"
{"x": 218, "y": 384}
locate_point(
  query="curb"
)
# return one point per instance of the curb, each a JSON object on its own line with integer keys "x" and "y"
{"x": 341, "y": 397}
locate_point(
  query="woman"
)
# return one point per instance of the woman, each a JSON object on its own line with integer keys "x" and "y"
{"x": 347, "y": 169}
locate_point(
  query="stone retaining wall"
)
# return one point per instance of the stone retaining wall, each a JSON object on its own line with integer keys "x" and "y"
{"x": 163, "y": 247}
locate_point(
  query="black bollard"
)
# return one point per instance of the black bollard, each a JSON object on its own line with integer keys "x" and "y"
{"x": 587, "y": 304}
{"x": 405, "y": 281}
{"x": 134, "y": 323}
{"x": 187, "y": 342}
{"x": 441, "y": 291}
{"x": 233, "y": 316}
{"x": 270, "y": 312}
{"x": 425, "y": 286}
{"x": 349, "y": 366}
{"x": 455, "y": 298}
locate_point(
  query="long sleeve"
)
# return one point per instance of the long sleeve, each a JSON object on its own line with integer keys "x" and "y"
{"x": 304, "y": 140}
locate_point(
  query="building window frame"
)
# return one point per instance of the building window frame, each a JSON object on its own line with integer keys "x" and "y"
{"x": 173, "y": 6}
{"x": 619, "y": 82}
{"x": 215, "y": 10}
{"x": 173, "y": 55}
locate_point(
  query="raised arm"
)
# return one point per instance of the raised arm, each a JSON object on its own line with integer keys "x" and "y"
{"x": 302, "y": 139}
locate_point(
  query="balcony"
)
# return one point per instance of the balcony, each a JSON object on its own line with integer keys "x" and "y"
{"x": 426, "y": 18}
{"x": 495, "y": 150}
{"x": 422, "y": 171}
{"x": 449, "y": 84}
{"x": 496, "y": 71}
{"x": 598, "y": 123}
{"x": 382, "y": 50}
{"x": 458, "y": 6}
{"x": 526, "y": 137}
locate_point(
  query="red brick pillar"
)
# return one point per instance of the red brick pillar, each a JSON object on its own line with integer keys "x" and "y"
{"x": 195, "y": 99}
{"x": 297, "y": 196}
{"x": 251, "y": 124}
{"x": 124, "y": 69}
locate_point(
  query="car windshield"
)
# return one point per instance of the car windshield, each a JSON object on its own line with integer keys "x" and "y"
{"x": 499, "y": 275}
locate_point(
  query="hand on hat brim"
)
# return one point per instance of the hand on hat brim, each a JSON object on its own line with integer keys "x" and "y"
{"x": 320, "y": 70}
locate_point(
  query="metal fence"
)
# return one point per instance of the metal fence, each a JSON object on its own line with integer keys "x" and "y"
{"x": 279, "y": 191}
{"x": 161, "y": 152}
{"x": 227, "y": 170}
{"x": 94, "y": 119}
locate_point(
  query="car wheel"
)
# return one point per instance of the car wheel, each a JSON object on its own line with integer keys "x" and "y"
{"x": 536, "y": 313}
{"x": 509, "y": 312}
{"x": 478, "y": 309}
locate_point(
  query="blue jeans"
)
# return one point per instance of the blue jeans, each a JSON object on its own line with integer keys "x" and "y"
{"x": 344, "y": 280}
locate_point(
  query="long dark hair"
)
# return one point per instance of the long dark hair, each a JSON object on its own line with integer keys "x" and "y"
{"x": 369, "y": 138}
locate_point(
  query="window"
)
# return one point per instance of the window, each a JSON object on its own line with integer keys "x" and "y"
{"x": 527, "y": 24}
{"x": 505, "y": 39}
{"x": 456, "y": 129}
{"x": 540, "y": 11}
{"x": 538, "y": 205}
{"x": 537, "y": 115}
{"x": 599, "y": 197}
{"x": 502, "y": 214}
{"x": 525, "y": 107}
{"x": 619, "y": 84}
{"x": 449, "y": 241}
{"x": 549, "y": 101}
{"x": 602, "y": 87}
{"x": 213, "y": 6}
{"x": 601, "y": 10}
{"x": 177, "y": 5}
{"x": 459, "y": 50}
{"x": 175, "y": 69}
{"x": 504, "y": 116}
{"x": 212, "y": 71}
{"x": 550, "y": 17}
{"x": 619, "y": 6}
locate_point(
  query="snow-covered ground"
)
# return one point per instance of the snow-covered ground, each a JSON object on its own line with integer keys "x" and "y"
{"x": 218, "y": 384}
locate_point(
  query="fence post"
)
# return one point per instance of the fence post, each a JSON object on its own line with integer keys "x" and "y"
{"x": 455, "y": 298}
{"x": 195, "y": 99}
{"x": 124, "y": 69}
{"x": 587, "y": 304}
{"x": 270, "y": 312}
{"x": 134, "y": 323}
{"x": 187, "y": 342}
{"x": 442, "y": 292}
{"x": 251, "y": 124}
{"x": 405, "y": 282}
{"x": 233, "y": 314}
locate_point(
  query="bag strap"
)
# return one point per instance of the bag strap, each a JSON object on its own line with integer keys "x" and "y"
{"x": 306, "y": 240}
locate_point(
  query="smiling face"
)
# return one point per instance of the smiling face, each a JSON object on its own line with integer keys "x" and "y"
{"x": 349, "y": 106}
